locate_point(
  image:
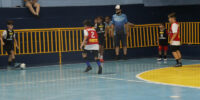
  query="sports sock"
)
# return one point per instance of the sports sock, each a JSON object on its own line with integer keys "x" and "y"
{"x": 88, "y": 63}
{"x": 9, "y": 63}
{"x": 160, "y": 56}
{"x": 98, "y": 63}
{"x": 101, "y": 57}
{"x": 177, "y": 61}
{"x": 165, "y": 57}
{"x": 13, "y": 62}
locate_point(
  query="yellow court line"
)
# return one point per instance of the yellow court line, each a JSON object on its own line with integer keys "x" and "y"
{"x": 186, "y": 76}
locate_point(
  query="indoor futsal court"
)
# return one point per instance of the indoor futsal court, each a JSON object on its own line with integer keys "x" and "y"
{"x": 99, "y": 50}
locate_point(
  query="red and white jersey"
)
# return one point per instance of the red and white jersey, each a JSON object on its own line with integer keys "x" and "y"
{"x": 175, "y": 29}
{"x": 92, "y": 40}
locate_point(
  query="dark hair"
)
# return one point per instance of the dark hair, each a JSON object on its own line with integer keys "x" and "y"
{"x": 162, "y": 23}
{"x": 100, "y": 17}
{"x": 87, "y": 23}
{"x": 172, "y": 15}
{"x": 10, "y": 22}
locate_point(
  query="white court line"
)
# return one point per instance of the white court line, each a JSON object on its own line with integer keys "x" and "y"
{"x": 46, "y": 81}
{"x": 119, "y": 79}
{"x": 161, "y": 83}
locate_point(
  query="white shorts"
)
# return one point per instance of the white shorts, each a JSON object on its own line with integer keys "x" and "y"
{"x": 176, "y": 43}
{"x": 92, "y": 47}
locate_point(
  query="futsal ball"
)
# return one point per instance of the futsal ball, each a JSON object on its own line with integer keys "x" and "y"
{"x": 23, "y": 66}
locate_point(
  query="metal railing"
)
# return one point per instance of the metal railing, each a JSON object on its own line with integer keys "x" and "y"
{"x": 58, "y": 40}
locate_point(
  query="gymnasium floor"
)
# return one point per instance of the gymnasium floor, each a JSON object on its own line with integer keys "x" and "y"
{"x": 118, "y": 82}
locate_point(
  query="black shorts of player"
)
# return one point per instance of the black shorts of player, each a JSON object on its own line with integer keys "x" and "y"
{"x": 174, "y": 48}
{"x": 101, "y": 38}
{"x": 9, "y": 46}
{"x": 93, "y": 52}
{"x": 120, "y": 37}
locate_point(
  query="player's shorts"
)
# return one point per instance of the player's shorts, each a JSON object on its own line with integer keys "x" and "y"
{"x": 8, "y": 47}
{"x": 93, "y": 52}
{"x": 122, "y": 38}
{"x": 175, "y": 48}
{"x": 101, "y": 38}
{"x": 162, "y": 47}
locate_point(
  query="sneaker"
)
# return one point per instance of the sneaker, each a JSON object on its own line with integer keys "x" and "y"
{"x": 159, "y": 59}
{"x": 88, "y": 69}
{"x": 125, "y": 57}
{"x": 178, "y": 65}
{"x": 116, "y": 57}
{"x": 101, "y": 60}
{"x": 100, "y": 70}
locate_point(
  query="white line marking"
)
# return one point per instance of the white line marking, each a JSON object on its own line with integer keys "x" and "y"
{"x": 46, "y": 81}
{"x": 148, "y": 81}
{"x": 110, "y": 78}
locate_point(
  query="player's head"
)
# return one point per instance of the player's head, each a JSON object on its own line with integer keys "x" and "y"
{"x": 10, "y": 24}
{"x": 87, "y": 23}
{"x": 118, "y": 9}
{"x": 162, "y": 25}
{"x": 99, "y": 19}
{"x": 107, "y": 19}
{"x": 172, "y": 17}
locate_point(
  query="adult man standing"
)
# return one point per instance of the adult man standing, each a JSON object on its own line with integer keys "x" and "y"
{"x": 120, "y": 31}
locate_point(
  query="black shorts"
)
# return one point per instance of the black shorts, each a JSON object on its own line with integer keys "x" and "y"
{"x": 174, "y": 48}
{"x": 93, "y": 52}
{"x": 122, "y": 38}
{"x": 101, "y": 38}
{"x": 8, "y": 47}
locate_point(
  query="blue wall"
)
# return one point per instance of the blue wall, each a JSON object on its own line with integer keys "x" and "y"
{"x": 73, "y": 16}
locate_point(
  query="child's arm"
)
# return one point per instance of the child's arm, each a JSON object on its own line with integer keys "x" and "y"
{"x": 84, "y": 40}
{"x": 1, "y": 39}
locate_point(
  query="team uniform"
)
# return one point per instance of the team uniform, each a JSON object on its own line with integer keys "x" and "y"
{"x": 92, "y": 44}
{"x": 176, "y": 43}
{"x": 100, "y": 29}
{"x": 119, "y": 22}
{"x": 8, "y": 38}
{"x": 163, "y": 40}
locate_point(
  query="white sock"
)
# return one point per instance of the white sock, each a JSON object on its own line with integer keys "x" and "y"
{"x": 101, "y": 57}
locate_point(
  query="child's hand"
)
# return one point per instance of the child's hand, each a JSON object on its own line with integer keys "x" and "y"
{"x": 3, "y": 43}
{"x": 17, "y": 47}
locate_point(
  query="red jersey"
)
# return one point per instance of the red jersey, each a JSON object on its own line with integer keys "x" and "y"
{"x": 175, "y": 28}
{"x": 92, "y": 36}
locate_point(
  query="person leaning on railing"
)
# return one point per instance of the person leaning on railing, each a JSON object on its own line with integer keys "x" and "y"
{"x": 31, "y": 4}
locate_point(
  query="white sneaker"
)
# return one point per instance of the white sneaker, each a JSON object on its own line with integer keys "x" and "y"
{"x": 159, "y": 59}
{"x": 165, "y": 61}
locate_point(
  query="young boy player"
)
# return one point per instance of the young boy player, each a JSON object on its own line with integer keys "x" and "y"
{"x": 175, "y": 39}
{"x": 9, "y": 41}
{"x": 91, "y": 45}
{"x": 163, "y": 42}
{"x": 100, "y": 28}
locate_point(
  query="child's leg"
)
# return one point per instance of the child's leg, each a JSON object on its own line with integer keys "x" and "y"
{"x": 37, "y": 6}
{"x": 101, "y": 51}
{"x": 165, "y": 52}
{"x": 179, "y": 56}
{"x": 13, "y": 57}
{"x": 30, "y": 7}
{"x": 84, "y": 55}
{"x": 160, "y": 52}
{"x": 97, "y": 61}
